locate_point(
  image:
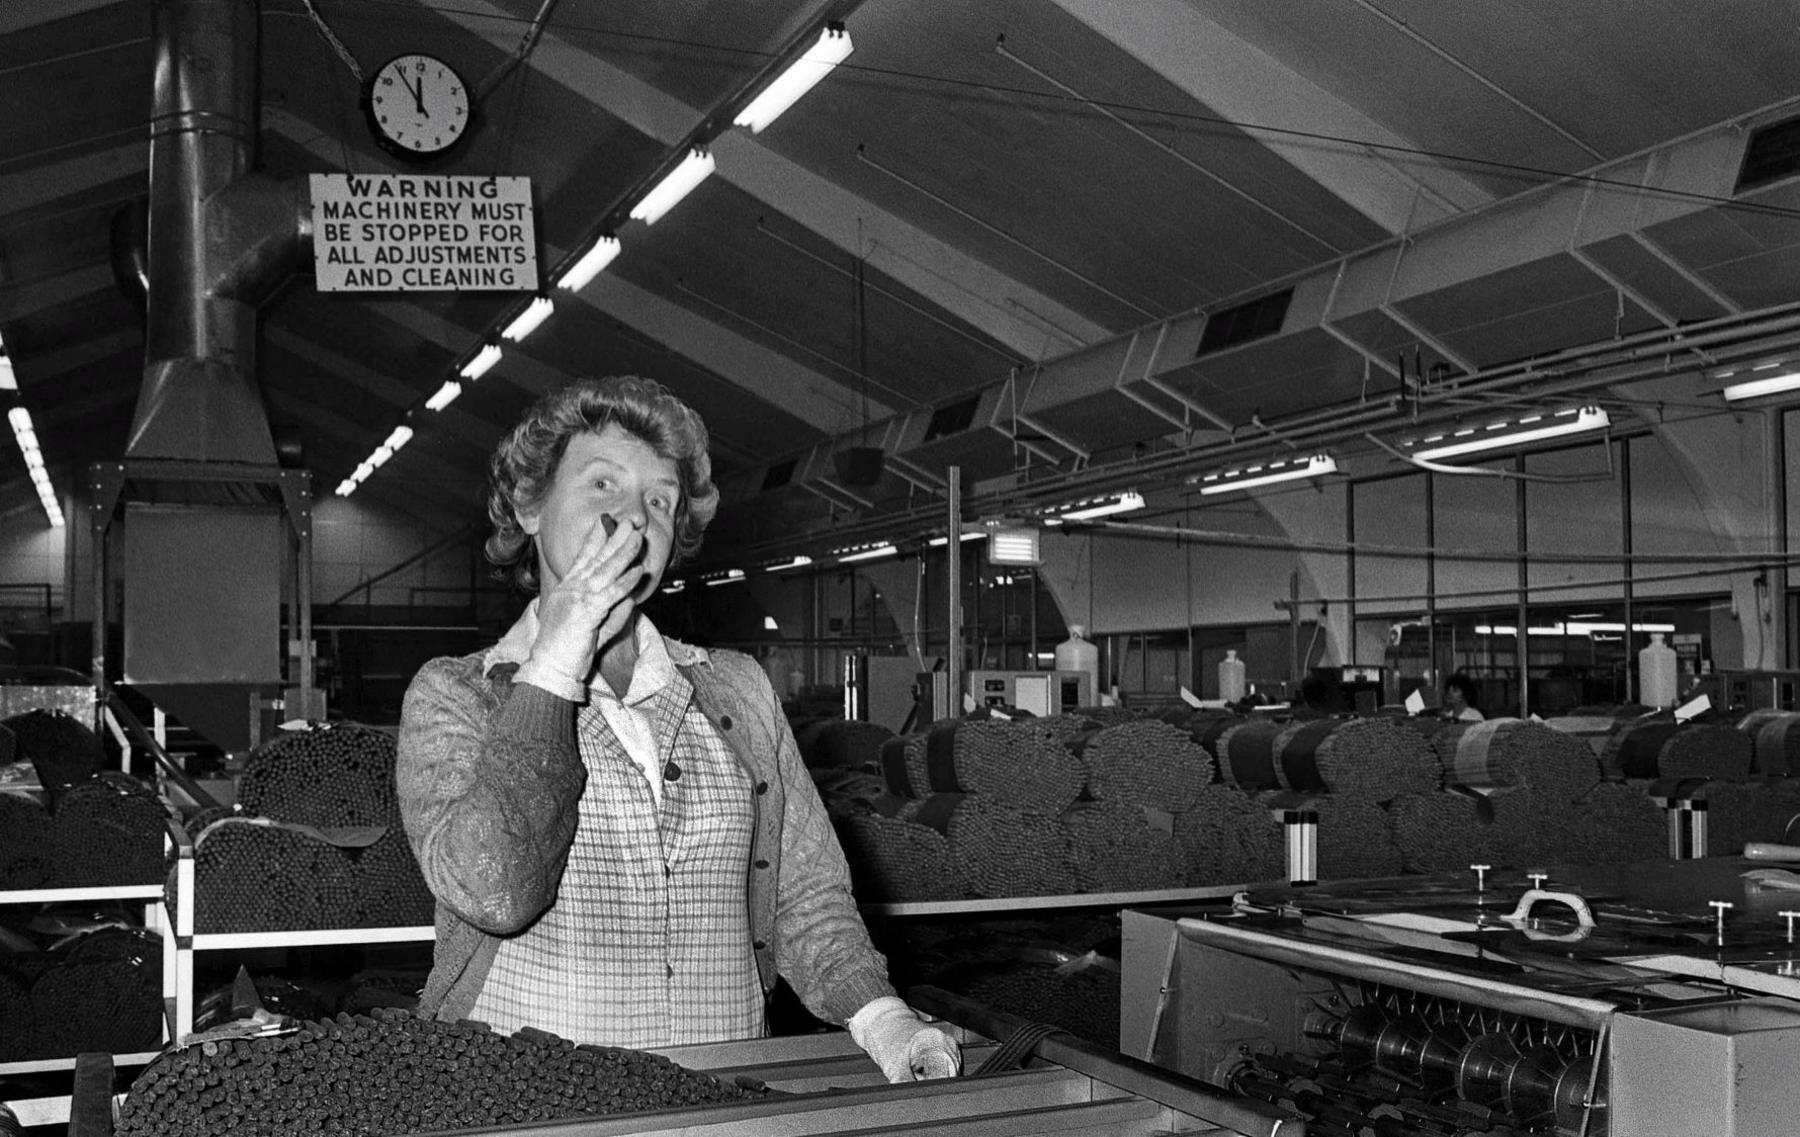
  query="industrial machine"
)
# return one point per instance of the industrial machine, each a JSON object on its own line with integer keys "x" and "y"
{"x": 1018, "y": 1080}
{"x": 1663, "y": 1000}
{"x": 1042, "y": 693}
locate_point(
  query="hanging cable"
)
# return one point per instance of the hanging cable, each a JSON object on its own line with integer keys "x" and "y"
{"x": 331, "y": 38}
{"x": 520, "y": 54}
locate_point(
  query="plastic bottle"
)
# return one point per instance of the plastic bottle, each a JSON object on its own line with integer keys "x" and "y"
{"x": 1656, "y": 673}
{"x": 1079, "y": 654}
{"x": 1231, "y": 677}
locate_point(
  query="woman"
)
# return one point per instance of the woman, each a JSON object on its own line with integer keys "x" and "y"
{"x": 588, "y": 799}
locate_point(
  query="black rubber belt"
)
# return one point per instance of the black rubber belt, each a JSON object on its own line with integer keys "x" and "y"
{"x": 940, "y": 758}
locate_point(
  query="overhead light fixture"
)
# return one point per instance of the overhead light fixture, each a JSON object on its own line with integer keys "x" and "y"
{"x": 1089, "y": 508}
{"x": 527, "y": 321}
{"x": 788, "y": 566}
{"x": 866, "y": 552}
{"x": 8, "y": 380}
{"x": 363, "y": 470}
{"x": 20, "y": 420}
{"x": 347, "y": 487}
{"x": 729, "y": 576}
{"x": 1014, "y": 547}
{"x": 1772, "y": 378}
{"x": 445, "y": 395}
{"x": 400, "y": 436}
{"x": 1265, "y": 474}
{"x": 940, "y": 541}
{"x": 379, "y": 459}
{"x": 598, "y": 256}
{"x": 482, "y": 362}
{"x": 832, "y": 49}
{"x": 678, "y": 184}
{"x": 673, "y": 587}
{"x": 1513, "y": 432}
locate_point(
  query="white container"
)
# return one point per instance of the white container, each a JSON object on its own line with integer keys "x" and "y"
{"x": 1079, "y": 654}
{"x": 1231, "y": 677}
{"x": 1656, "y": 673}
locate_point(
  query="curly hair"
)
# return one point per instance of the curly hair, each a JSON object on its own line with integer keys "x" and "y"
{"x": 524, "y": 464}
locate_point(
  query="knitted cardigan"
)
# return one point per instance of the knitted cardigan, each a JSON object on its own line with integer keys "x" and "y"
{"x": 489, "y": 779}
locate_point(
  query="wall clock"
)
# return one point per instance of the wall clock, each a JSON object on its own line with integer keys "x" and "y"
{"x": 418, "y": 106}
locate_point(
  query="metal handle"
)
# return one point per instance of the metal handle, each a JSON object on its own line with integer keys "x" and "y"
{"x": 1584, "y": 917}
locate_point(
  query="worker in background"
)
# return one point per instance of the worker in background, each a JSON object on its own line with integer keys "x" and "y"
{"x": 588, "y": 798}
{"x": 1460, "y": 698}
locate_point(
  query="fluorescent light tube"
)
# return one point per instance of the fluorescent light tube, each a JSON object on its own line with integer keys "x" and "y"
{"x": 730, "y": 576}
{"x": 797, "y": 562}
{"x": 1014, "y": 547}
{"x": 972, "y": 535}
{"x": 1756, "y": 388}
{"x": 590, "y": 264}
{"x": 1266, "y": 475}
{"x": 484, "y": 361}
{"x": 382, "y": 453}
{"x": 869, "y": 554}
{"x": 400, "y": 437}
{"x": 1118, "y": 503}
{"x": 20, "y": 418}
{"x": 681, "y": 180}
{"x": 1498, "y": 435}
{"x": 445, "y": 395}
{"x": 8, "y": 380}
{"x": 527, "y": 321}
{"x": 673, "y": 587}
{"x": 832, "y": 49}
{"x": 346, "y": 487}
{"x": 363, "y": 470}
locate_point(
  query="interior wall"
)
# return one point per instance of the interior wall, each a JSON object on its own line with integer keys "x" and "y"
{"x": 1702, "y": 488}
{"x": 357, "y": 539}
{"x": 32, "y": 552}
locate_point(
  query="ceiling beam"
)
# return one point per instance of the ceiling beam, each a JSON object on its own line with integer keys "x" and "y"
{"x": 18, "y": 17}
{"x": 971, "y": 290}
{"x": 429, "y": 474}
{"x": 827, "y": 406}
{"x": 1236, "y": 78}
{"x": 20, "y": 299}
{"x": 46, "y": 184}
{"x": 471, "y": 429}
{"x": 821, "y": 403}
{"x": 39, "y": 368}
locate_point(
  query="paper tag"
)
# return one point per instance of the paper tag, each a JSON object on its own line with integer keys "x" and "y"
{"x": 997, "y": 713}
{"x": 1189, "y": 697}
{"x": 1693, "y": 707}
{"x": 1415, "y": 703}
{"x": 969, "y": 703}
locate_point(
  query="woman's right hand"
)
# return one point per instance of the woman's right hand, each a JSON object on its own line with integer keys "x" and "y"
{"x": 582, "y": 612}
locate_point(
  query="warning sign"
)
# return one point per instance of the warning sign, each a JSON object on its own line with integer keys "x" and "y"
{"x": 399, "y": 233}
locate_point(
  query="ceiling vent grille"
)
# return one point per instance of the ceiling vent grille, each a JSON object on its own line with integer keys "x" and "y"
{"x": 1251, "y": 320}
{"x": 1773, "y": 153}
{"x": 952, "y": 418}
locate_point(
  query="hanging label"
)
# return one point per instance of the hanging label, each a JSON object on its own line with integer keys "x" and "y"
{"x": 414, "y": 233}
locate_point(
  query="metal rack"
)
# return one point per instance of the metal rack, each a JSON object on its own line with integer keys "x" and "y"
{"x": 180, "y": 941}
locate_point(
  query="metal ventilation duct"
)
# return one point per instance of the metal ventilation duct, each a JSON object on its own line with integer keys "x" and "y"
{"x": 220, "y": 238}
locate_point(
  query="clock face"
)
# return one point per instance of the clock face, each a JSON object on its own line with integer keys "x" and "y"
{"x": 418, "y": 105}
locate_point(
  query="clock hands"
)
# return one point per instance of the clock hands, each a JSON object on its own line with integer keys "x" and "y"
{"x": 417, "y": 90}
